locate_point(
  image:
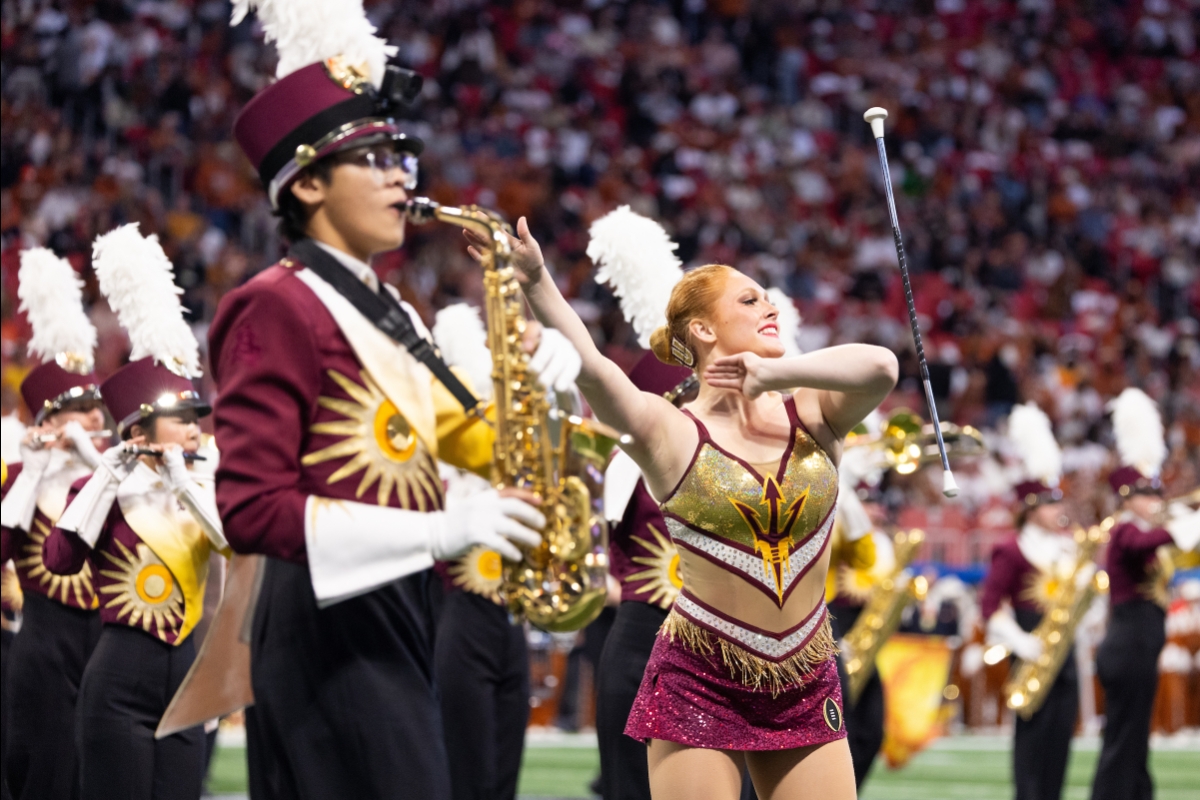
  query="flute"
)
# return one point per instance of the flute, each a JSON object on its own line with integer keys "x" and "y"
{"x": 54, "y": 436}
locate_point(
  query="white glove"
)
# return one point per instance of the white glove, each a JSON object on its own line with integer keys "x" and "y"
{"x": 1003, "y": 629}
{"x": 119, "y": 461}
{"x": 81, "y": 442}
{"x": 354, "y": 548}
{"x": 173, "y": 470}
{"x": 488, "y": 519}
{"x": 556, "y": 362}
{"x": 201, "y": 503}
{"x": 1184, "y": 527}
{"x": 87, "y": 512}
{"x": 20, "y": 504}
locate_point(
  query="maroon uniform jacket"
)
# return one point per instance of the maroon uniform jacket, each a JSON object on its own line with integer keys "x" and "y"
{"x": 136, "y": 587}
{"x": 1131, "y": 561}
{"x": 641, "y": 555}
{"x": 72, "y": 588}
{"x": 1011, "y": 577}
{"x": 296, "y": 415}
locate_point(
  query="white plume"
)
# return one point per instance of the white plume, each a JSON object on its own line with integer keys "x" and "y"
{"x": 1138, "y": 428}
{"x": 308, "y": 31}
{"x": 51, "y": 295}
{"x": 459, "y": 333}
{"x": 1031, "y": 434}
{"x": 788, "y": 321}
{"x": 637, "y": 259}
{"x": 137, "y": 278}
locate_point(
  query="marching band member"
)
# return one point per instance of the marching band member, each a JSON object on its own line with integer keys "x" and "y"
{"x": 331, "y": 425}
{"x": 743, "y": 672}
{"x": 146, "y": 526}
{"x": 60, "y": 625}
{"x": 1017, "y": 592}
{"x": 1127, "y": 659}
{"x": 481, "y": 658}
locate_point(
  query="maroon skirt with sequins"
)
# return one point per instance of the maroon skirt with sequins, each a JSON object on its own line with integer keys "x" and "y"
{"x": 693, "y": 699}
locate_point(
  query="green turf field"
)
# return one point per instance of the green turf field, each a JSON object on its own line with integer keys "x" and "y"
{"x": 963, "y": 768}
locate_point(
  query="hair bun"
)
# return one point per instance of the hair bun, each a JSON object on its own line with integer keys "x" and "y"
{"x": 660, "y": 345}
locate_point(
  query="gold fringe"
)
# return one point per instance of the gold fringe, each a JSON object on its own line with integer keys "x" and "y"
{"x": 750, "y": 670}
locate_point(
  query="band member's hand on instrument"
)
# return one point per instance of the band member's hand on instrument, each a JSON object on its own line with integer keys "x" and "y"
{"x": 1002, "y": 629}
{"x": 527, "y": 261}
{"x": 20, "y": 503}
{"x": 36, "y": 446}
{"x": 490, "y": 518}
{"x": 556, "y": 361}
{"x": 119, "y": 461}
{"x": 82, "y": 443}
{"x": 86, "y": 514}
{"x": 202, "y": 504}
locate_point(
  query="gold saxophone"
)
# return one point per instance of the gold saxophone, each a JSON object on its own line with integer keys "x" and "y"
{"x": 881, "y": 615}
{"x": 1029, "y": 681}
{"x": 560, "y": 585}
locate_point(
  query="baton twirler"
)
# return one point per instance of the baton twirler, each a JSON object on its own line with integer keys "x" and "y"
{"x": 875, "y": 117}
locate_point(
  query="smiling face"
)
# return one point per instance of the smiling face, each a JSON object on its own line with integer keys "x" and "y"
{"x": 741, "y": 320}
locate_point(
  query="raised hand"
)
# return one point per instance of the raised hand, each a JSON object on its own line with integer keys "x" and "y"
{"x": 742, "y": 372}
{"x": 528, "y": 264}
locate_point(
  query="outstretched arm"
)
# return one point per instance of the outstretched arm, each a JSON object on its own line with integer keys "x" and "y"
{"x": 651, "y": 421}
{"x": 851, "y": 379}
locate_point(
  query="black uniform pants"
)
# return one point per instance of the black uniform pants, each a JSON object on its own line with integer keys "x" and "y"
{"x": 127, "y": 686}
{"x": 1042, "y": 744}
{"x": 482, "y": 665}
{"x": 6, "y": 637}
{"x": 624, "y": 772}
{"x": 43, "y": 675}
{"x": 344, "y": 699}
{"x": 1127, "y": 664}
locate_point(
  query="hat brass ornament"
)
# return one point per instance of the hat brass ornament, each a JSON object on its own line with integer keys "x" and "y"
{"x": 349, "y": 76}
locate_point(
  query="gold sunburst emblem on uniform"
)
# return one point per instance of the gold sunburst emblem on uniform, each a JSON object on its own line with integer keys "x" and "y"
{"x": 1045, "y": 588}
{"x": 480, "y": 571}
{"x": 663, "y": 578}
{"x": 145, "y": 590}
{"x": 58, "y": 587}
{"x": 379, "y": 442}
{"x": 855, "y": 584}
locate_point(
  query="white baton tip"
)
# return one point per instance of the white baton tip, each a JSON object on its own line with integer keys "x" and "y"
{"x": 875, "y": 116}
{"x": 949, "y": 487}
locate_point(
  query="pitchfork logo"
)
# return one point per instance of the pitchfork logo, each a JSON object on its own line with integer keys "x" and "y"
{"x": 773, "y": 536}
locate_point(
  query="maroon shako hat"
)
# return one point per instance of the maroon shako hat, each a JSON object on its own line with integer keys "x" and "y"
{"x": 142, "y": 389}
{"x": 317, "y": 111}
{"x": 48, "y": 389}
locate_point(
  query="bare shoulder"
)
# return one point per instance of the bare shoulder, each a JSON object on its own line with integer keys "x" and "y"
{"x": 808, "y": 409}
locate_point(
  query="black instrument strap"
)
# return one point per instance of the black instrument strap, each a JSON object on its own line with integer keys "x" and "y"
{"x": 385, "y": 312}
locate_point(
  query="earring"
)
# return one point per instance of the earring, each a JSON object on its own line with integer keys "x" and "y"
{"x": 682, "y": 353}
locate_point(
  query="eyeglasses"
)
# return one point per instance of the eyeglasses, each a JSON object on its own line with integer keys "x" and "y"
{"x": 381, "y": 159}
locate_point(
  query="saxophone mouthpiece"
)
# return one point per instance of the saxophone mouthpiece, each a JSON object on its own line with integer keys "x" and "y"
{"x": 419, "y": 209}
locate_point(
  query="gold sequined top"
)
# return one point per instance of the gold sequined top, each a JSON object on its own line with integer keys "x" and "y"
{"x": 768, "y": 527}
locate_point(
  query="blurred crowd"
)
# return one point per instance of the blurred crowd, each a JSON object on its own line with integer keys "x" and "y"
{"x": 1045, "y": 157}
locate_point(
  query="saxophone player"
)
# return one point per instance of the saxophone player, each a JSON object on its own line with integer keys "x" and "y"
{"x": 330, "y": 432}
{"x": 1127, "y": 659}
{"x": 1018, "y": 590}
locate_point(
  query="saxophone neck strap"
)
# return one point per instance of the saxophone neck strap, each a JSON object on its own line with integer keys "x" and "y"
{"x": 385, "y": 312}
